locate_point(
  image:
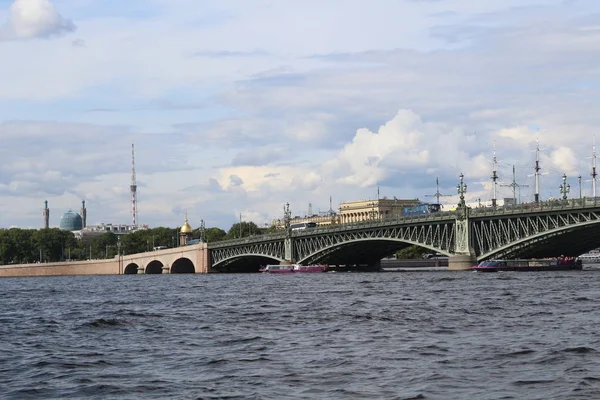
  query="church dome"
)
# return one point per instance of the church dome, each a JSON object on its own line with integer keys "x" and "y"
{"x": 186, "y": 228}
{"x": 71, "y": 221}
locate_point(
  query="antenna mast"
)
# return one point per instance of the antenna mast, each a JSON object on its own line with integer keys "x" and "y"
{"x": 514, "y": 185}
{"x": 537, "y": 170}
{"x": 133, "y": 188}
{"x": 495, "y": 178}
{"x": 437, "y": 194}
{"x": 594, "y": 174}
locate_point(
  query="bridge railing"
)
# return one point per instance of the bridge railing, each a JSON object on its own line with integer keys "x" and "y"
{"x": 548, "y": 205}
{"x": 365, "y": 224}
{"x": 247, "y": 240}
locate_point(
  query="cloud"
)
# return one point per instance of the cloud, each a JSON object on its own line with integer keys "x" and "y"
{"x": 235, "y": 180}
{"x": 425, "y": 92}
{"x": 31, "y": 19}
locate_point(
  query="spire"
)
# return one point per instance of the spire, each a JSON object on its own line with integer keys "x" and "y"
{"x": 133, "y": 188}
{"x": 83, "y": 213}
{"x": 46, "y": 215}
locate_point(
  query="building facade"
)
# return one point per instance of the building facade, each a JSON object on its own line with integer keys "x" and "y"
{"x": 356, "y": 211}
{"x": 364, "y": 210}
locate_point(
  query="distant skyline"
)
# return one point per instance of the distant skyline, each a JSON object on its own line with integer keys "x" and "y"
{"x": 238, "y": 107}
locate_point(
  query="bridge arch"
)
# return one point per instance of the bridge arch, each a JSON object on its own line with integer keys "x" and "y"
{"x": 570, "y": 240}
{"x": 246, "y": 263}
{"x": 131, "y": 269}
{"x": 183, "y": 266}
{"x": 154, "y": 267}
{"x": 363, "y": 250}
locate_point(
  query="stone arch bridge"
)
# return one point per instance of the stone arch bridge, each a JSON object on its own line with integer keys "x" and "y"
{"x": 467, "y": 236}
{"x": 179, "y": 260}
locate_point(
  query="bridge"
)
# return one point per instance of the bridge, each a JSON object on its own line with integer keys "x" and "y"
{"x": 466, "y": 236}
{"x": 177, "y": 260}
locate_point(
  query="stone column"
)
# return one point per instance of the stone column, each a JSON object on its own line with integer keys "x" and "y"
{"x": 463, "y": 257}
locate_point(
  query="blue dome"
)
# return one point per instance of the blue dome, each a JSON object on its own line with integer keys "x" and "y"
{"x": 71, "y": 221}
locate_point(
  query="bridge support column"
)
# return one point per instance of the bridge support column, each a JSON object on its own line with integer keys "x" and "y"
{"x": 141, "y": 270}
{"x": 464, "y": 256}
{"x": 166, "y": 269}
{"x": 289, "y": 251}
{"x": 461, "y": 262}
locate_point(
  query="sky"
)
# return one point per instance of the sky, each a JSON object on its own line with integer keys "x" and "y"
{"x": 238, "y": 107}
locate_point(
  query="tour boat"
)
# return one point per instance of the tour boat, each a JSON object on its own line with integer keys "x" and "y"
{"x": 277, "y": 269}
{"x": 310, "y": 268}
{"x": 555, "y": 264}
{"x": 591, "y": 257}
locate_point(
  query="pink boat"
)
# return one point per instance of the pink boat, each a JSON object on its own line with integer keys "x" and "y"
{"x": 277, "y": 269}
{"x": 310, "y": 268}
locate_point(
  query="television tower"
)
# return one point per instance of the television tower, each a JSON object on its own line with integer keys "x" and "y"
{"x": 594, "y": 173}
{"x": 133, "y": 188}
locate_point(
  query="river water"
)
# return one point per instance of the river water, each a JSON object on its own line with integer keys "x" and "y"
{"x": 411, "y": 335}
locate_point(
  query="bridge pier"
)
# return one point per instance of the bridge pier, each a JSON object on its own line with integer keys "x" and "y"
{"x": 166, "y": 269}
{"x": 461, "y": 262}
{"x": 141, "y": 270}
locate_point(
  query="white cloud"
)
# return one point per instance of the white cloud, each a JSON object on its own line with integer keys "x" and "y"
{"x": 30, "y": 19}
{"x": 313, "y": 112}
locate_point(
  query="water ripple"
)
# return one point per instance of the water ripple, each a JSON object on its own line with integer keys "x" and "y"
{"x": 426, "y": 335}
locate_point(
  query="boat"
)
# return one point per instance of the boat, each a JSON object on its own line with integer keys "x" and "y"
{"x": 546, "y": 264}
{"x": 310, "y": 268}
{"x": 591, "y": 257}
{"x": 277, "y": 269}
{"x": 294, "y": 268}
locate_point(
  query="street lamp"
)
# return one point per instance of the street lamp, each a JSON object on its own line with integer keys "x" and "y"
{"x": 565, "y": 188}
{"x": 462, "y": 190}
{"x": 579, "y": 179}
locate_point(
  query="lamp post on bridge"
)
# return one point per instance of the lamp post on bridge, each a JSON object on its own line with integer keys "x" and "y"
{"x": 565, "y": 188}
{"x": 462, "y": 190}
{"x": 579, "y": 179}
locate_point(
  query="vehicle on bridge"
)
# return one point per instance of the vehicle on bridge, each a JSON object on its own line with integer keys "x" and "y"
{"x": 420, "y": 209}
{"x": 554, "y": 264}
{"x": 303, "y": 225}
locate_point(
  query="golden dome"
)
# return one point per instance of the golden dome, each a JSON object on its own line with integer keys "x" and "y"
{"x": 186, "y": 228}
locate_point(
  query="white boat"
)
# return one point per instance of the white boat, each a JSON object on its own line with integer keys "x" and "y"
{"x": 277, "y": 269}
{"x": 591, "y": 257}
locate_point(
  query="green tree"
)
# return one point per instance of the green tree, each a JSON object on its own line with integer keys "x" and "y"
{"x": 214, "y": 235}
{"x": 51, "y": 243}
{"x": 271, "y": 229}
{"x": 412, "y": 252}
{"x": 242, "y": 229}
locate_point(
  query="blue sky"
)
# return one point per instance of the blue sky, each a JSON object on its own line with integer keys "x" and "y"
{"x": 239, "y": 107}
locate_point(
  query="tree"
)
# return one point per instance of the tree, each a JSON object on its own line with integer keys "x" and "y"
{"x": 214, "y": 235}
{"x": 412, "y": 252}
{"x": 242, "y": 229}
{"x": 271, "y": 229}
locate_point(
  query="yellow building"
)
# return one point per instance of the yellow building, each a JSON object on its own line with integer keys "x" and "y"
{"x": 355, "y": 211}
{"x": 364, "y": 210}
